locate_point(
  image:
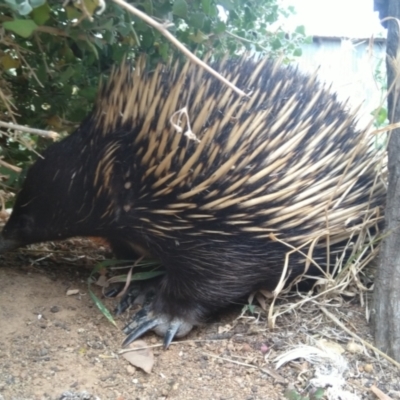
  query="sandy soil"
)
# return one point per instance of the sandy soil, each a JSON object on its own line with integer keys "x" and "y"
{"x": 54, "y": 346}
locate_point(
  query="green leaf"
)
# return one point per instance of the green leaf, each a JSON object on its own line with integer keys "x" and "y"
{"x": 301, "y": 30}
{"x": 276, "y": 44}
{"x": 108, "y": 25}
{"x": 72, "y": 13}
{"x": 66, "y": 75}
{"x": 164, "y": 51}
{"x": 91, "y": 6}
{"x": 139, "y": 276}
{"x": 381, "y": 115}
{"x": 37, "y": 3}
{"x": 12, "y": 4}
{"x": 8, "y": 62}
{"x": 199, "y": 37}
{"x": 101, "y": 307}
{"x": 11, "y": 175}
{"x": 206, "y": 6}
{"x": 213, "y": 12}
{"x": 148, "y": 40}
{"x": 22, "y": 27}
{"x": 148, "y": 7}
{"x": 180, "y": 8}
{"x": 220, "y": 27}
{"x": 227, "y": 4}
{"x": 249, "y": 308}
{"x": 41, "y": 73}
{"x": 24, "y": 8}
{"x": 291, "y": 394}
{"x": 88, "y": 93}
{"x": 197, "y": 20}
{"x": 41, "y": 14}
{"x": 298, "y": 52}
{"x": 319, "y": 394}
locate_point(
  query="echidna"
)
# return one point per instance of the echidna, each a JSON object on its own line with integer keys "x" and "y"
{"x": 222, "y": 189}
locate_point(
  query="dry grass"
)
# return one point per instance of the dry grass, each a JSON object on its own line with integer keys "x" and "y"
{"x": 347, "y": 276}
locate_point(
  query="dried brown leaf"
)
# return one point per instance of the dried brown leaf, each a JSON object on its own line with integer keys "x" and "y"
{"x": 141, "y": 356}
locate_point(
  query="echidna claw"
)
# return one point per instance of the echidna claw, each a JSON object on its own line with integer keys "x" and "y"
{"x": 143, "y": 322}
{"x": 139, "y": 331}
{"x": 171, "y": 332}
{"x": 146, "y": 319}
{"x": 139, "y": 319}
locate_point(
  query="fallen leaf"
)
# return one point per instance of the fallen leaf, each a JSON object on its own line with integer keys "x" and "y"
{"x": 224, "y": 329}
{"x": 102, "y": 281}
{"x": 141, "y": 356}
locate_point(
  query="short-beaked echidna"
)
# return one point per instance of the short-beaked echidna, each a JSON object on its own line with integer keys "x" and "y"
{"x": 220, "y": 188}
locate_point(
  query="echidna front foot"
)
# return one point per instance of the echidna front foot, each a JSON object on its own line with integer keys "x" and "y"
{"x": 144, "y": 293}
{"x": 146, "y": 320}
{"x": 139, "y": 293}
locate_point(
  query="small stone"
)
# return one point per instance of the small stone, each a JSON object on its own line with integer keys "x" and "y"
{"x": 55, "y": 309}
{"x": 246, "y": 348}
{"x": 264, "y": 348}
{"x": 131, "y": 370}
{"x": 72, "y": 292}
{"x": 368, "y": 368}
{"x": 354, "y": 348}
{"x": 43, "y": 352}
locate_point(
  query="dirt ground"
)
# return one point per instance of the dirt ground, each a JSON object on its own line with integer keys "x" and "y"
{"x": 54, "y": 346}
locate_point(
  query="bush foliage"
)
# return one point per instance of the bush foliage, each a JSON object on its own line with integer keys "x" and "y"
{"x": 53, "y": 53}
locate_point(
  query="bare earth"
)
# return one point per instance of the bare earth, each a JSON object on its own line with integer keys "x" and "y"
{"x": 59, "y": 347}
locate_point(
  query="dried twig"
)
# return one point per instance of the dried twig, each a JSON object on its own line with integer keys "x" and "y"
{"x": 8, "y": 103}
{"x": 10, "y": 166}
{"x": 264, "y": 369}
{"x": 163, "y": 30}
{"x": 46, "y": 134}
{"x": 241, "y": 39}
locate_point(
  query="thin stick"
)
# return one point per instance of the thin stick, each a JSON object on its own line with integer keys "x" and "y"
{"x": 162, "y": 29}
{"x": 264, "y": 369}
{"x": 8, "y": 104}
{"x": 10, "y": 166}
{"x": 240, "y": 39}
{"x": 47, "y": 134}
